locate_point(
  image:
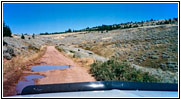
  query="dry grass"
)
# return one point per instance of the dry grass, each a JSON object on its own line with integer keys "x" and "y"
{"x": 84, "y": 62}
{"x": 102, "y": 49}
{"x": 21, "y": 61}
{"x": 13, "y": 69}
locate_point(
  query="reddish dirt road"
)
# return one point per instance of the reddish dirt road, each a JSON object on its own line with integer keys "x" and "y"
{"x": 75, "y": 73}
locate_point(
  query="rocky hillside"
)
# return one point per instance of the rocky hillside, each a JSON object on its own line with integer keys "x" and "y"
{"x": 153, "y": 49}
{"x": 149, "y": 46}
{"x": 153, "y": 46}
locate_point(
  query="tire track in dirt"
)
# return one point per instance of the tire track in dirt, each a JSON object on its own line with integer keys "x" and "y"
{"x": 75, "y": 73}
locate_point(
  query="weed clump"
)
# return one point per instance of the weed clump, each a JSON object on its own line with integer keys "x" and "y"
{"x": 114, "y": 70}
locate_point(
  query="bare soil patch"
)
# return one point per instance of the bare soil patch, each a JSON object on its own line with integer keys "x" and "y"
{"x": 74, "y": 74}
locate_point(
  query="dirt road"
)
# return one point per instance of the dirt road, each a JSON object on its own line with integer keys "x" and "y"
{"x": 75, "y": 73}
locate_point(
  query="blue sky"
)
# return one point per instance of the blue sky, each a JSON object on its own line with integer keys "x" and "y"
{"x": 58, "y": 17}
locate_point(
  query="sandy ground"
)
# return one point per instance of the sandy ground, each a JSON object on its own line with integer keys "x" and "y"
{"x": 75, "y": 73}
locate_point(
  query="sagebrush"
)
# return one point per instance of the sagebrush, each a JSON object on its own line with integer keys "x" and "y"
{"x": 114, "y": 70}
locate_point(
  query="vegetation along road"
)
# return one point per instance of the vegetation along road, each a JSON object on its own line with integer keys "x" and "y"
{"x": 142, "y": 51}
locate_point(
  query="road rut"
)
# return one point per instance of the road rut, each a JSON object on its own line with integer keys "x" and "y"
{"x": 75, "y": 73}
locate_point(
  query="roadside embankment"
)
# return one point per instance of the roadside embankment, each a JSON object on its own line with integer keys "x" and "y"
{"x": 12, "y": 69}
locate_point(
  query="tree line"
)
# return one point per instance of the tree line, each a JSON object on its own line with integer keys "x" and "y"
{"x": 119, "y": 26}
{"x": 7, "y": 30}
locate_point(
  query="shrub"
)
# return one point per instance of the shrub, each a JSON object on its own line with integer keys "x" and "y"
{"x": 59, "y": 49}
{"x": 72, "y": 51}
{"x": 5, "y": 43}
{"x": 31, "y": 47}
{"x": 33, "y": 36}
{"x": 114, "y": 70}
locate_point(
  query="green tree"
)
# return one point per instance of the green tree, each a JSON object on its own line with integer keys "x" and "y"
{"x": 176, "y": 19}
{"x": 69, "y": 30}
{"x": 6, "y": 30}
{"x": 22, "y": 36}
{"x": 166, "y": 22}
{"x": 33, "y": 36}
